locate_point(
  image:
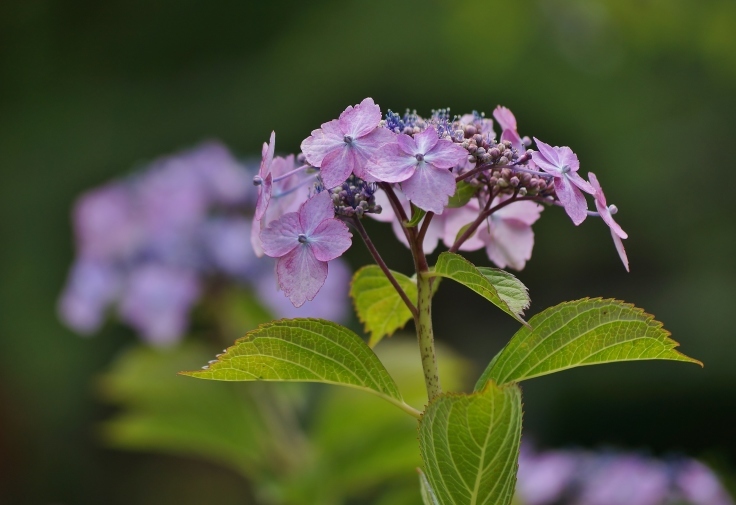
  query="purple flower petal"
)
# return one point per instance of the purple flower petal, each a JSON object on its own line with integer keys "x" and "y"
{"x": 549, "y": 154}
{"x": 332, "y": 302}
{"x": 360, "y": 120}
{"x": 407, "y": 144}
{"x": 314, "y": 211}
{"x": 330, "y": 239}
{"x": 322, "y": 142}
{"x": 369, "y": 146}
{"x": 620, "y": 250}
{"x": 264, "y": 172}
{"x": 505, "y": 118}
{"x": 392, "y": 165}
{"x": 602, "y": 206}
{"x": 429, "y": 188}
{"x": 90, "y": 288}
{"x": 571, "y": 199}
{"x": 446, "y": 154}
{"x": 581, "y": 183}
{"x": 300, "y": 274}
{"x": 426, "y": 140}
{"x": 455, "y": 220}
{"x": 281, "y": 236}
{"x": 157, "y": 300}
{"x": 338, "y": 165}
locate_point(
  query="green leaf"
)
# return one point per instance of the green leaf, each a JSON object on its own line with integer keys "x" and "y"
{"x": 304, "y": 350}
{"x": 428, "y": 495}
{"x": 501, "y": 289}
{"x": 464, "y": 191}
{"x": 378, "y": 305}
{"x": 578, "y": 333}
{"x": 470, "y": 445}
{"x": 416, "y": 216}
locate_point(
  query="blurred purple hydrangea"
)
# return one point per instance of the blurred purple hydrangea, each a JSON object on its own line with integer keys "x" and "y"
{"x": 613, "y": 478}
{"x": 150, "y": 243}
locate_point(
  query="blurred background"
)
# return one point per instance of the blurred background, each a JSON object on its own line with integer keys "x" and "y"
{"x": 643, "y": 91}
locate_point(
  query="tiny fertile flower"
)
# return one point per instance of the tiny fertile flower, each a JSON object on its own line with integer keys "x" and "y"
{"x": 563, "y": 165}
{"x": 344, "y": 145}
{"x": 422, "y": 164}
{"x": 264, "y": 179}
{"x": 304, "y": 241}
{"x": 606, "y": 214}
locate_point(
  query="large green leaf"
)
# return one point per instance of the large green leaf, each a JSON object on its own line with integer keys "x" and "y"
{"x": 378, "y": 305}
{"x": 428, "y": 496}
{"x": 498, "y": 287}
{"x": 304, "y": 350}
{"x": 578, "y": 333}
{"x": 470, "y": 445}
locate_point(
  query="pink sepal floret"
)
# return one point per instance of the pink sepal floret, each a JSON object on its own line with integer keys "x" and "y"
{"x": 563, "y": 165}
{"x": 344, "y": 145}
{"x": 605, "y": 211}
{"x": 304, "y": 241}
{"x": 422, "y": 164}
{"x": 264, "y": 173}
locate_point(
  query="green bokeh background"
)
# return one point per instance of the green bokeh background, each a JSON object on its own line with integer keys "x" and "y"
{"x": 643, "y": 91}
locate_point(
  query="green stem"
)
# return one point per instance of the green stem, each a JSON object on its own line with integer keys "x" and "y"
{"x": 425, "y": 335}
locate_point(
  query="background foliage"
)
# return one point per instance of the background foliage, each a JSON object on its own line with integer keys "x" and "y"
{"x": 641, "y": 90}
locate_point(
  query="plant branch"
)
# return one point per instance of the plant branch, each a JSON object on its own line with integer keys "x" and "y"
{"x": 382, "y": 264}
{"x": 425, "y": 225}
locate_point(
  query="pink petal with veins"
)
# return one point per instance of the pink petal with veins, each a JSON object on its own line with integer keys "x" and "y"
{"x": 315, "y": 210}
{"x": 369, "y": 146}
{"x": 571, "y": 199}
{"x": 392, "y": 164}
{"x": 426, "y": 140}
{"x": 620, "y": 249}
{"x": 446, "y": 154}
{"x": 264, "y": 196}
{"x": 523, "y": 212}
{"x": 300, "y": 274}
{"x": 429, "y": 188}
{"x": 255, "y": 238}
{"x": 548, "y": 155}
{"x": 338, "y": 165}
{"x": 360, "y": 120}
{"x": 510, "y": 243}
{"x": 330, "y": 239}
{"x": 407, "y": 144}
{"x": 580, "y": 182}
{"x": 281, "y": 236}
{"x": 506, "y": 119}
{"x": 322, "y": 142}
{"x": 455, "y": 220}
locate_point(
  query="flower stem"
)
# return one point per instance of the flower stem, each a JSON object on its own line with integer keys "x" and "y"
{"x": 382, "y": 264}
{"x": 425, "y": 335}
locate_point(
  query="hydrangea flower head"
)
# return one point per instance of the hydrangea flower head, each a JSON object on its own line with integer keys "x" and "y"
{"x": 264, "y": 179}
{"x": 606, "y": 214}
{"x": 422, "y": 164}
{"x": 304, "y": 241}
{"x": 563, "y": 165}
{"x": 344, "y": 145}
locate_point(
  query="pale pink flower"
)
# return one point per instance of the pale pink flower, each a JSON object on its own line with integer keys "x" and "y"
{"x": 422, "y": 164}
{"x": 434, "y": 231}
{"x": 508, "y": 234}
{"x": 344, "y": 145}
{"x": 264, "y": 179}
{"x": 304, "y": 241}
{"x": 606, "y": 214}
{"x": 563, "y": 165}
{"x": 505, "y": 118}
{"x": 455, "y": 220}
